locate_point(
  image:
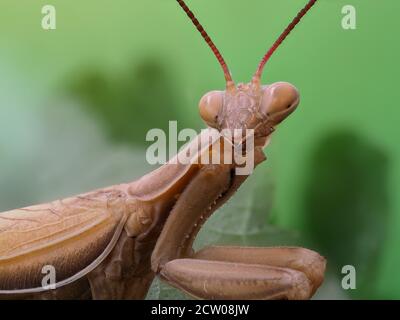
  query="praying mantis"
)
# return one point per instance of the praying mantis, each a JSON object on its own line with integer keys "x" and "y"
{"x": 111, "y": 243}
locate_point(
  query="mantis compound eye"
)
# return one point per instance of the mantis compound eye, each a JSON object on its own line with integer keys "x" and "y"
{"x": 279, "y": 100}
{"x": 210, "y": 105}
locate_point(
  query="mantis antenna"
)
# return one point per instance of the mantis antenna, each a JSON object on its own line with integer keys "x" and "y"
{"x": 267, "y": 56}
{"x": 281, "y": 38}
{"x": 206, "y": 37}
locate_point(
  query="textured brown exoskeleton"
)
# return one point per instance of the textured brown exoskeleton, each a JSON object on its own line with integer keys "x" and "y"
{"x": 110, "y": 243}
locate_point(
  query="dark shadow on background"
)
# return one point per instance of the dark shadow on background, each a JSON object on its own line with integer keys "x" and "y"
{"x": 131, "y": 103}
{"x": 346, "y": 206}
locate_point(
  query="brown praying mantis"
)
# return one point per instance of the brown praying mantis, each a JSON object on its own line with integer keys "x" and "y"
{"x": 111, "y": 243}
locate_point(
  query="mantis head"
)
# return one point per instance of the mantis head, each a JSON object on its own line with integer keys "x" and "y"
{"x": 249, "y": 106}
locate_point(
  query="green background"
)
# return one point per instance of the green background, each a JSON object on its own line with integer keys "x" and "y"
{"x": 76, "y": 103}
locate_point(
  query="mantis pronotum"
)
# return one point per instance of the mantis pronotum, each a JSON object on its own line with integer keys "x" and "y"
{"x": 110, "y": 243}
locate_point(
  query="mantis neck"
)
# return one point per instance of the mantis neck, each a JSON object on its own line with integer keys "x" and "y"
{"x": 188, "y": 192}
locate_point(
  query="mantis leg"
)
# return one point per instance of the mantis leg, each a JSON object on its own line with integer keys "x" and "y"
{"x": 304, "y": 260}
{"x": 247, "y": 273}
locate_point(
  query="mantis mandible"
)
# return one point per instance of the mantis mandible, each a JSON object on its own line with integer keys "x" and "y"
{"x": 111, "y": 243}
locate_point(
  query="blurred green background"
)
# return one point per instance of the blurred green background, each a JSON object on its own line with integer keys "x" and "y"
{"x": 76, "y": 103}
